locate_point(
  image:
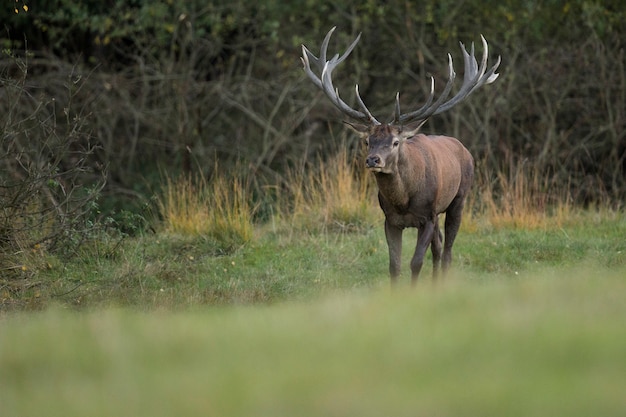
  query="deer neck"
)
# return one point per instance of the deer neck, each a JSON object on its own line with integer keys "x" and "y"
{"x": 392, "y": 189}
{"x": 398, "y": 187}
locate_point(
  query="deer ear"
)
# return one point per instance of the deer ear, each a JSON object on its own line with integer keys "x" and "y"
{"x": 411, "y": 129}
{"x": 358, "y": 128}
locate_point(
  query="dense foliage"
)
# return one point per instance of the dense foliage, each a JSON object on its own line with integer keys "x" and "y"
{"x": 177, "y": 86}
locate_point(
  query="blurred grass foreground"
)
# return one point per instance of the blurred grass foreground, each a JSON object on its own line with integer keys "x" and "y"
{"x": 547, "y": 344}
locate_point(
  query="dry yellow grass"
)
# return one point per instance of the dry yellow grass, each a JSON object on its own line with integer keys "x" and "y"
{"x": 335, "y": 195}
{"x": 338, "y": 195}
{"x": 522, "y": 198}
{"x": 219, "y": 208}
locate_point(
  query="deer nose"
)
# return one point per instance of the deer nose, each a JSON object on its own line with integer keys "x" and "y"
{"x": 372, "y": 161}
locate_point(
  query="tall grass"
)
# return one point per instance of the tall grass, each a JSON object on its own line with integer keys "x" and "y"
{"x": 333, "y": 195}
{"x": 337, "y": 195}
{"x": 219, "y": 208}
{"x": 523, "y": 197}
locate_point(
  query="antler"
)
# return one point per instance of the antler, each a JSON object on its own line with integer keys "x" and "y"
{"x": 325, "y": 82}
{"x": 474, "y": 77}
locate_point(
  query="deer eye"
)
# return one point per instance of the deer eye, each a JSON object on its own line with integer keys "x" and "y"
{"x": 367, "y": 142}
{"x": 396, "y": 143}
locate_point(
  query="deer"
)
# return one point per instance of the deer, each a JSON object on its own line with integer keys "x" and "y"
{"x": 419, "y": 177}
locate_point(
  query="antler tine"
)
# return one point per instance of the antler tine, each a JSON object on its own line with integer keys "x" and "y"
{"x": 325, "y": 82}
{"x": 348, "y": 51}
{"x": 371, "y": 118}
{"x": 474, "y": 76}
{"x": 333, "y": 94}
{"x": 306, "y": 57}
{"x": 321, "y": 61}
{"x": 396, "y": 114}
{"x": 399, "y": 118}
{"x": 491, "y": 75}
{"x": 429, "y": 109}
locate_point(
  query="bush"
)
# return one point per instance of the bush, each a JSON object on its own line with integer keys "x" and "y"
{"x": 48, "y": 188}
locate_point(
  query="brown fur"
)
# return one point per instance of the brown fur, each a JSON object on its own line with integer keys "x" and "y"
{"x": 418, "y": 177}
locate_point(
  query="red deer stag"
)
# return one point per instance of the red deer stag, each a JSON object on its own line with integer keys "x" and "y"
{"x": 418, "y": 176}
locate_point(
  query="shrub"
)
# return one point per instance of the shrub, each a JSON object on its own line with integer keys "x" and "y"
{"x": 47, "y": 188}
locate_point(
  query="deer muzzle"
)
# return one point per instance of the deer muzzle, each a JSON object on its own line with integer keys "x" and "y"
{"x": 374, "y": 162}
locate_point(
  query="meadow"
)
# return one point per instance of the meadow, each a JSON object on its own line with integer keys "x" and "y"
{"x": 295, "y": 316}
{"x": 186, "y": 228}
{"x": 545, "y": 344}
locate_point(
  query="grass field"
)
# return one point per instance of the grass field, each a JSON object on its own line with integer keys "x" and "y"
{"x": 531, "y": 322}
{"x": 216, "y": 315}
{"x": 284, "y": 263}
{"x": 549, "y": 343}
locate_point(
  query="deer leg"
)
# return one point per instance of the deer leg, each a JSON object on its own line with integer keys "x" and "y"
{"x": 453, "y": 222}
{"x": 424, "y": 238}
{"x": 394, "y": 243}
{"x": 436, "y": 248}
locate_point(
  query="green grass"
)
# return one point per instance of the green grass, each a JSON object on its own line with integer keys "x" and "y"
{"x": 530, "y": 322}
{"x": 544, "y": 344}
{"x": 174, "y": 271}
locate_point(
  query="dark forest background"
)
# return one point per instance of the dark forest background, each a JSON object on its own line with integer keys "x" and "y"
{"x": 100, "y": 99}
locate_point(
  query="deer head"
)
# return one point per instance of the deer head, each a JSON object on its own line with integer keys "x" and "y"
{"x": 383, "y": 142}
